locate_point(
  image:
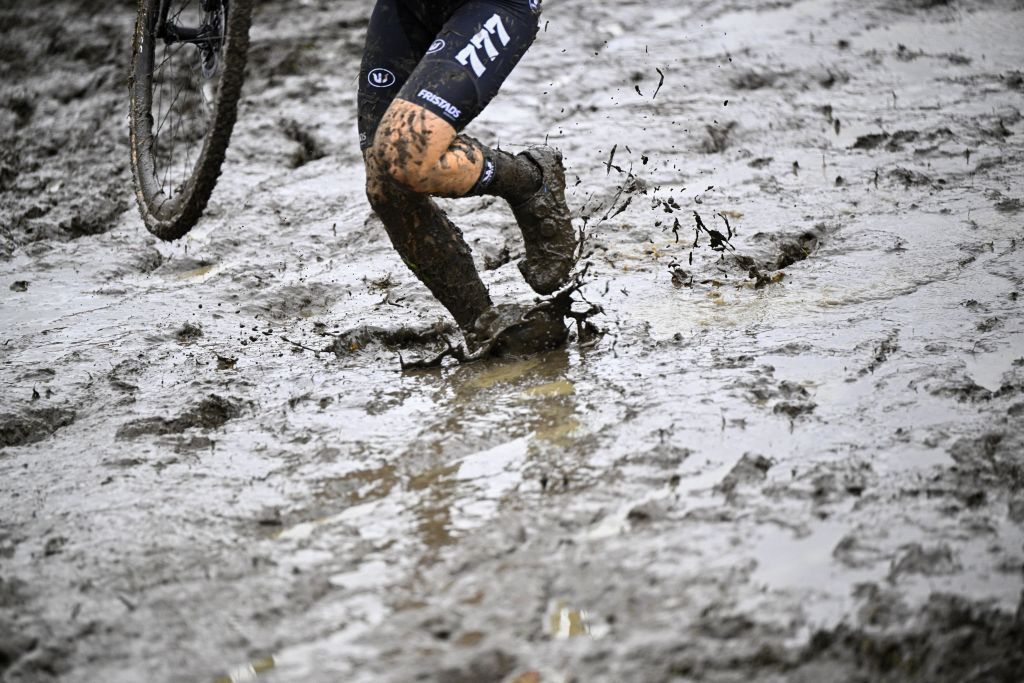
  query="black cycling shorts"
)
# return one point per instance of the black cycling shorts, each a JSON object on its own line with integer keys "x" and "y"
{"x": 448, "y": 56}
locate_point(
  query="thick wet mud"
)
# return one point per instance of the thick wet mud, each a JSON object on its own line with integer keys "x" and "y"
{"x": 795, "y": 454}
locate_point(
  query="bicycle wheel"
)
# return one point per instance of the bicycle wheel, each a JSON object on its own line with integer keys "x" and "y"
{"x": 188, "y": 63}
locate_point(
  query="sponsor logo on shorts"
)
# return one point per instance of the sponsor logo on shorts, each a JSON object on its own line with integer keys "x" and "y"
{"x": 436, "y": 46}
{"x": 381, "y": 78}
{"x": 450, "y": 110}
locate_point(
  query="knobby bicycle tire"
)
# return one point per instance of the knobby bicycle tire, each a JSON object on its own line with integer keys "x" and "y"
{"x": 169, "y": 217}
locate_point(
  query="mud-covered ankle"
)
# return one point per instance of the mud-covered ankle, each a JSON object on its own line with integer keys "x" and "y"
{"x": 513, "y": 178}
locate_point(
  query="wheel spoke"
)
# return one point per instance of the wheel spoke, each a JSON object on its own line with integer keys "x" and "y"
{"x": 175, "y": 107}
{"x": 183, "y": 110}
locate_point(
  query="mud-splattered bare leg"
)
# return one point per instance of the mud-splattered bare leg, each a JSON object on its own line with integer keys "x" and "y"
{"x": 422, "y": 151}
{"x": 428, "y": 242}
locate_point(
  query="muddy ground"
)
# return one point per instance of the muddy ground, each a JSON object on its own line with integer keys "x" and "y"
{"x": 798, "y": 457}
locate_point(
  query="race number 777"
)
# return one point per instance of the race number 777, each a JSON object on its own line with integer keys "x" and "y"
{"x": 468, "y": 55}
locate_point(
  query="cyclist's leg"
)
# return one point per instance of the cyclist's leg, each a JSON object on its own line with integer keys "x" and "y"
{"x": 395, "y": 43}
{"x": 426, "y": 240}
{"x": 419, "y": 145}
{"x": 418, "y": 138}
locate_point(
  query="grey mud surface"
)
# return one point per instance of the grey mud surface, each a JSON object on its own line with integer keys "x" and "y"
{"x": 797, "y": 461}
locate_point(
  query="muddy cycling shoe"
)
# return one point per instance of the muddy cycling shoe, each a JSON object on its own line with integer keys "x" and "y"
{"x": 509, "y": 331}
{"x": 547, "y": 226}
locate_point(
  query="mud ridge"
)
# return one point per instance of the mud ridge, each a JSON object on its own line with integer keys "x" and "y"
{"x": 212, "y": 412}
{"x": 399, "y": 337}
{"x": 310, "y": 147}
{"x": 774, "y": 251}
{"x": 950, "y": 639}
{"x": 33, "y": 425}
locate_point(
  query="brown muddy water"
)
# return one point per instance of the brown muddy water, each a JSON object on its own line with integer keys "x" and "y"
{"x": 799, "y": 457}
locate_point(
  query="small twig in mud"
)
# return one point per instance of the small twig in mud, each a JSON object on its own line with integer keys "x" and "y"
{"x": 301, "y": 346}
{"x": 661, "y": 82}
{"x": 126, "y": 601}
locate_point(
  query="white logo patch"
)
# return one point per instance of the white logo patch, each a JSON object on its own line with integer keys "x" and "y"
{"x": 449, "y": 109}
{"x": 381, "y": 78}
{"x": 470, "y": 56}
{"x": 488, "y": 174}
{"x": 436, "y": 46}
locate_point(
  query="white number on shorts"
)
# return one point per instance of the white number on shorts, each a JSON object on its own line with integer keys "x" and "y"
{"x": 468, "y": 56}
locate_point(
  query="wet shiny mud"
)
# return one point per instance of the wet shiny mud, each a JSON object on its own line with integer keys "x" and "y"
{"x": 795, "y": 455}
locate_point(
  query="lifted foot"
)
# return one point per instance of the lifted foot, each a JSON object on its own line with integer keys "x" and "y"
{"x": 550, "y": 239}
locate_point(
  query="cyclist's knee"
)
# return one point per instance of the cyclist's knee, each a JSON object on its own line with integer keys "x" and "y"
{"x": 398, "y": 161}
{"x": 409, "y": 143}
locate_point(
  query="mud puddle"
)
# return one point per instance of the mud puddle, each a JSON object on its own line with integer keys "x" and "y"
{"x": 794, "y": 455}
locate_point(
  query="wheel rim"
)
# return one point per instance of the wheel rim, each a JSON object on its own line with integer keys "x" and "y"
{"x": 176, "y": 86}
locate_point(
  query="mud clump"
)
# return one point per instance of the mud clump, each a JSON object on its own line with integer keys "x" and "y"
{"x": 792, "y": 399}
{"x": 15, "y": 647}
{"x": 24, "y": 659}
{"x": 949, "y": 640}
{"x": 188, "y": 333}
{"x": 646, "y": 512}
{"x": 795, "y": 248}
{"x": 796, "y": 401}
{"x": 12, "y": 592}
{"x": 916, "y": 559}
{"x": 918, "y": 4}
{"x": 291, "y": 301}
{"x": 910, "y": 178}
{"x": 1009, "y": 205}
{"x": 882, "y": 352}
{"x": 124, "y": 376}
{"x": 490, "y": 665}
{"x": 401, "y": 337}
{"x": 779, "y": 251}
{"x": 33, "y": 425}
{"x": 212, "y": 412}
{"x": 717, "y": 137}
{"x": 751, "y": 79}
{"x": 751, "y": 469}
{"x": 310, "y": 148}
{"x": 959, "y": 386}
{"x": 897, "y": 141}
{"x": 991, "y": 459}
